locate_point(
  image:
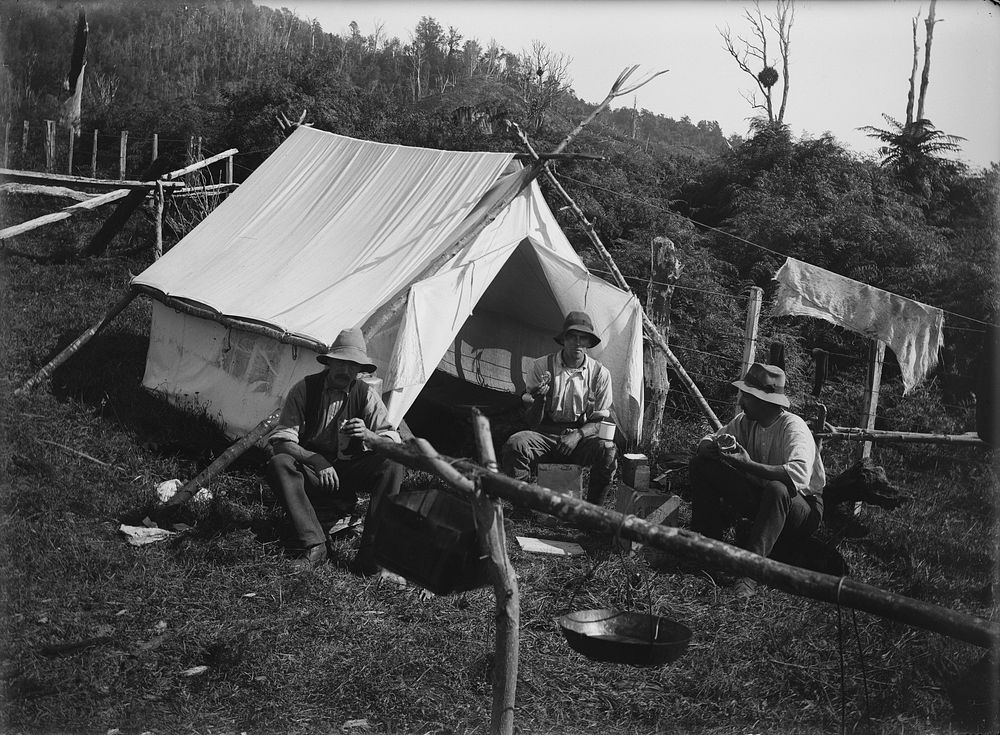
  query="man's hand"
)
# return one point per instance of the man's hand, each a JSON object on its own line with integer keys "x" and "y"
{"x": 328, "y": 479}
{"x": 356, "y": 429}
{"x": 542, "y": 389}
{"x": 568, "y": 442}
{"x": 708, "y": 449}
{"x": 737, "y": 457}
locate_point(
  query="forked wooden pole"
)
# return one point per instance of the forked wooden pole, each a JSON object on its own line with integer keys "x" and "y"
{"x": 824, "y": 587}
{"x": 76, "y": 344}
{"x": 493, "y": 544}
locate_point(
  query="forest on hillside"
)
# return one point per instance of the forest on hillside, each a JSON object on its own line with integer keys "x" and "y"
{"x": 913, "y": 222}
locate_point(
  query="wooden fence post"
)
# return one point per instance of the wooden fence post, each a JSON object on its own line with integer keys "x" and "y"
{"x": 229, "y": 170}
{"x": 93, "y": 157}
{"x": 869, "y": 407}
{"x": 158, "y": 196}
{"x": 156, "y": 146}
{"x": 6, "y": 144}
{"x": 122, "y": 151}
{"x": 198, "y": 151}
{"x": 24, "y": 143}
{"x": 69, "y": 157}
{"x": 750, "y": 332}
{"x": 50, "y": 145}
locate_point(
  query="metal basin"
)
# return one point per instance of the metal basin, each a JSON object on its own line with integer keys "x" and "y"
{"x": 614, "y": 636}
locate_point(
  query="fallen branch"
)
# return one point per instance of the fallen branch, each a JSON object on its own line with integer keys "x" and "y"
{"x": 824, "y": 587}
{"x": 74, "y": 451}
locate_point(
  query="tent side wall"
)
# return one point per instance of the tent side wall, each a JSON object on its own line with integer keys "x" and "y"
{"x": 234, "y": 377}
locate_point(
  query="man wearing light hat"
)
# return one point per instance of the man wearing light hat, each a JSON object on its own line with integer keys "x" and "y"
{"x": 321, "y": 454}
{"x": 762, "y": 465}
{"x": 567, "y": 396}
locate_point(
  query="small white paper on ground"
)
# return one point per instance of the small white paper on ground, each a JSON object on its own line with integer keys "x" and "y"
{"x": 356, "y": 725}
{"x": 194, "y": 671}
{"x": 140, "y": 535}
{"x": 549, "y": 546}
{"x": 169, "y": 488}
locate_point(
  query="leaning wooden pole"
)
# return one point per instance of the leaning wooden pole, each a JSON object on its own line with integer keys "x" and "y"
{"x": 224, "y": 460}
{"x": 650, "y": 328}
{"x": 76, "y": 344}
{"x": 824, "y": 587}
{"x": 493, "y": 545}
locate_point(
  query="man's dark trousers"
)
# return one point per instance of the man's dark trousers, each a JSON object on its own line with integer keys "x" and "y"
{"x": 298, "y": 490}
{"x": 527, "y": 447}
{"x": 715, "y": 485}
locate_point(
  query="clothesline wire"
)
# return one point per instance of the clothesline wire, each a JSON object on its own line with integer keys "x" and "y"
{"x": 640, "y": 279}
{"x": 728, "y": 234}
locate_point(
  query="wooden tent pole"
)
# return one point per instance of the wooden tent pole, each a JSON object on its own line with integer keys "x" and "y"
{"x": 824, "y": 587}
{"x": 76, "y": 344}
{"x": 650, "y": 328}
{"x": 493, "y": 545}
{"x": 384, "y": 314}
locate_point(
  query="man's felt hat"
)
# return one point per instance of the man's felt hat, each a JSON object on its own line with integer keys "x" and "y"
{"x": 350, "y": 346}
{"x": 580, "y": 322}
{"x": 765, "y": 382}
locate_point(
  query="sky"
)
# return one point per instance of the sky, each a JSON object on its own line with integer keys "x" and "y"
{"x": 850, "y": 59}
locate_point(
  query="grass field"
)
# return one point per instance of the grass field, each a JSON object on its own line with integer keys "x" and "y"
{"x": 329, "y": 652}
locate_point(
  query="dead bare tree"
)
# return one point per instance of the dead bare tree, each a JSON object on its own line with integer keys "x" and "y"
{"x": 545, "y": 77}
{"x": 925, "y": 76}
{"x": 749, "y": 53}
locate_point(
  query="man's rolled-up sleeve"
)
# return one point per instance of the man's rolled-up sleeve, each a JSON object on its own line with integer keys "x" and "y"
{"x": 292, "y": 417}
{"x": 603, "y": 395}
{"x": 801, "y": 456}
{"x": 377, "y": 418}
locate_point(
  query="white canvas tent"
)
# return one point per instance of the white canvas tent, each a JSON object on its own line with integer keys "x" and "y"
{"x": 330, "y": 228}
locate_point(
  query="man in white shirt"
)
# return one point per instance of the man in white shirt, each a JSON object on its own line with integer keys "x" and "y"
{"x": 567, "y": 395}
{"x": 762, "y": 465}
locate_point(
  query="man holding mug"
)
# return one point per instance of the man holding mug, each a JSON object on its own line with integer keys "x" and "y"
{"x": 322, "y": 455}
{"x": 762, "y": 465}
{"x": 567, "y": 397}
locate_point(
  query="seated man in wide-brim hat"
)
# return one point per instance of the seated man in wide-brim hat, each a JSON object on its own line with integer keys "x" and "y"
{"x": 322, "y": 455}
{"x": 567, "y": 396}
{"x": 762, "y": 465}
